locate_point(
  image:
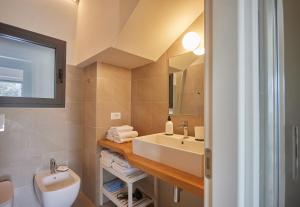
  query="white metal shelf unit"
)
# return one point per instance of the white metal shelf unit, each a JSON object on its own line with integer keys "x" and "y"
{"x": 113, "y": 196}
{"x": 129, "y": 180}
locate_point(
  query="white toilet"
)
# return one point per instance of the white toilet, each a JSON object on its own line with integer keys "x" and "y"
{"x": 6, "y": 194}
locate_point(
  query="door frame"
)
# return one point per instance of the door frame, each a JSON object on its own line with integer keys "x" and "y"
{"x": 208, "y": 93}
{"x": 232, "y": 102}
{"x": 272, "y": 191}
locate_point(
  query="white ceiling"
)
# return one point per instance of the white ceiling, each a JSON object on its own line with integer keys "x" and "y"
{"x": 151, "y": 28}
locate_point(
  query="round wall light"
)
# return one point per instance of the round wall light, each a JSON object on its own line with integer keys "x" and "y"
{"x": 191, "y": 41}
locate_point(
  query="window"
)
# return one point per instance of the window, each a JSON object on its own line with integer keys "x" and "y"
{"x": 10, "y": 89}
{"x": 32, "y": 69}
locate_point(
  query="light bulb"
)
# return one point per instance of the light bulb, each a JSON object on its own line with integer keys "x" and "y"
{"x": 199, "y": 51}
{"x": 191, "y": 41}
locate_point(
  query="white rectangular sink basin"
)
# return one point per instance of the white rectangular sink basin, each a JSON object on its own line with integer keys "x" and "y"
{"x": 183, "y": 154}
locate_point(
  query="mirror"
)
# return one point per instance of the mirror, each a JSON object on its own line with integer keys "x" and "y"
{"x": 186, "y": 84}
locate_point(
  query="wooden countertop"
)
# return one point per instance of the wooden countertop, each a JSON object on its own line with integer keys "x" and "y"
{"x": 182, "y": 179}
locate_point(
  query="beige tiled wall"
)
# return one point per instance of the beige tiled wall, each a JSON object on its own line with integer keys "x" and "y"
{"x": 150, "y": 93}
{"x": 150, "y": 108}
{"x": 113, "y": 95}
{"x": 90, "y": 145}
{"x": 150, "y": 97}
{"x": 107, "y": 89}
{"x": 34, "y": 135}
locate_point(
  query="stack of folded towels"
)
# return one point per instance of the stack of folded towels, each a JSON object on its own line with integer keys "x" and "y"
{"x": 117, "y": 162}
{"x": 107, "y": 157}
{"x": 114, "y": 185}
{"x": 121, "y": 134}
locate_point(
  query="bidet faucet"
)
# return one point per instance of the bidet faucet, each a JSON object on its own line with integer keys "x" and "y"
{"x": 184, "y": 125}
{"x": 52, "y": 166}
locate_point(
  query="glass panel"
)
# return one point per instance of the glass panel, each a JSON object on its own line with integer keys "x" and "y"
{"x": 272, "y": 121}
{"x": 10, "y": 89}
{"x": 26, "y": 70}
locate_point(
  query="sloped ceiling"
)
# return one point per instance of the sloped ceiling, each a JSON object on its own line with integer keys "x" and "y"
{"x": 154, "y": 25}
{"x": 98, "y": 24}
{"x": 148, "y": 32}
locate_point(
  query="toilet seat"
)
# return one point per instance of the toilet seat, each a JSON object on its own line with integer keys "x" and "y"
{"x": 6, "y": 194}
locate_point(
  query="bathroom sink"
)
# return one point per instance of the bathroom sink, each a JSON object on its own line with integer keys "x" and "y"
{"x": 183, "y": 154}
{"x": 59, "y": 189}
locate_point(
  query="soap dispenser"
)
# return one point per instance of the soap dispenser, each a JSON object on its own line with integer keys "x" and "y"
{"x": 169, "y": 126}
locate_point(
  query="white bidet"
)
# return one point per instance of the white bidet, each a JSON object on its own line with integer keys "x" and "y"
{"x": 58, "y": 189}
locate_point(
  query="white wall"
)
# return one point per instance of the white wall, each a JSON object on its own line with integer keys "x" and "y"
{"x": 33, "y": 136}
{"x": 55, "y": 18}
{"x": 99, "y": 23}
{"x": 225, "y": 103}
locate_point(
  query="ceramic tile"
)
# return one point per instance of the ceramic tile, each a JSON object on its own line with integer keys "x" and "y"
{"x": 90, "y": 114}
{"x": 34, "y": 135}
{"x": 113, "y": 72}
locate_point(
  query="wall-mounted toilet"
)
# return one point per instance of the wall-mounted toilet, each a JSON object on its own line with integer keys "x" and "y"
{"x": 6, "y": 194}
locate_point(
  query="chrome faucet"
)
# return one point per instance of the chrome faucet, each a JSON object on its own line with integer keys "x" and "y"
{"x": 52, "y": 166}
{"x": 184, "y": 125}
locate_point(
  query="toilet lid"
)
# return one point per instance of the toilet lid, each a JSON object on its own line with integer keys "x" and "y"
{"x": 6, "y": 192}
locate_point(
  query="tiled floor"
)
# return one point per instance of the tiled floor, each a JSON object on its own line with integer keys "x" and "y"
{"x": 83, "y": 201}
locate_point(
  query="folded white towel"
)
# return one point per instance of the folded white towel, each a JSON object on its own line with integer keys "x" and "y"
{"x": 108, "y": 156}
{"x": 121, "y": 134}
{"x": 107, "y": 163}
{"x": 124, "y": 135}
{"x": 114, "y": 131}
{"x": 105, "y": 152}
{"x": 123, "y": 170}
{"x": 124, "y": 128}
{"x": 109, "y": 136}
{"x": 121, "y": 161}
{"x": 120, "y": 141}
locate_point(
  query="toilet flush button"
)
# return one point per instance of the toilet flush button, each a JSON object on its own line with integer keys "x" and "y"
{"x": 2, "y": 122}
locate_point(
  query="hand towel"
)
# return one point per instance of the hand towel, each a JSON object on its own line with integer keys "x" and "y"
{"x": 120, "y": 141}
{"x": 125, "y": 135}
{"x": 124, "y": 128}
{"x": 121, "y": 161}
{"x": 106, "y": 163}
{"x": 123, "y": 170}
{"x": 107, "y": 152}
{"x": 107, "y": 157}
{"x": 114, "y": 131}
{"x": 121, "y": 134}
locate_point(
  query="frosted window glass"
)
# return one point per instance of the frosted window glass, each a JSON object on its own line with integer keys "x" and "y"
{"x": 26, "y": 70}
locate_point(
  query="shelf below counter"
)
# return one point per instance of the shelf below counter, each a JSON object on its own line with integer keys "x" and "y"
{"x": 168, "y": 174}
